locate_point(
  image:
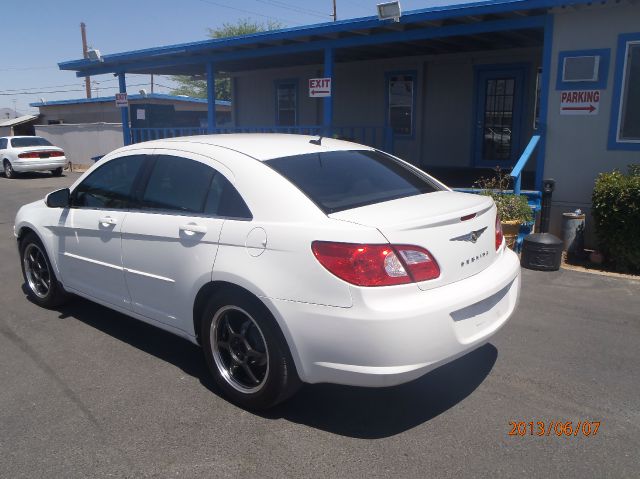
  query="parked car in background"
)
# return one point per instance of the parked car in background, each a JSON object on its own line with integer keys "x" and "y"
{"x": 30, "y": 153}
{"x": 288, "y": 258}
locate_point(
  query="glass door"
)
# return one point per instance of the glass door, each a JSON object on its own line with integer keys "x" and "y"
{"x": 498, "y": 117}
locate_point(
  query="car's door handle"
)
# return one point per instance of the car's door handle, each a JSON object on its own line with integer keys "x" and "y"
{"x": 107, "y": 220}
{"x": 193, "y": 228}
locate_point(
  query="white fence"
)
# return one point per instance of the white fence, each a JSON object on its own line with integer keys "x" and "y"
{"x": 81, "y": 142}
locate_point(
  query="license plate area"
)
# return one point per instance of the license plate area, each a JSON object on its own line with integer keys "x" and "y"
{"x": 471, "y": 321}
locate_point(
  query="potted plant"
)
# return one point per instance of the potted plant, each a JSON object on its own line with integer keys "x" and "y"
{"x": 514, "y": 210}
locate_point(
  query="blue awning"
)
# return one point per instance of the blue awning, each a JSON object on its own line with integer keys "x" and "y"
{"x": 355, "y": 39}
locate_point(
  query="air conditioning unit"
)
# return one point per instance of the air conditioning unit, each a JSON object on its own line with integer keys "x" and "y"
{"x": 581, "y": 68}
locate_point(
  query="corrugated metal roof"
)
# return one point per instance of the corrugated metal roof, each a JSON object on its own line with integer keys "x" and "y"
{"x": 19, "y": 121}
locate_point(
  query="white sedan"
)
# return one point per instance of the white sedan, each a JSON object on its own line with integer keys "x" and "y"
{"x": 287, "y": 258}
{"x": 30, "y": 153}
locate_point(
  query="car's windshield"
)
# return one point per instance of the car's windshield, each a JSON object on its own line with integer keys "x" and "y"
{"x": 30, "y": 141}
{"x": 341, "y": 180}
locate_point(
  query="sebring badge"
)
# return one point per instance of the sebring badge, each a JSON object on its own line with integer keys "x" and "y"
{"x": 473, "y": 236}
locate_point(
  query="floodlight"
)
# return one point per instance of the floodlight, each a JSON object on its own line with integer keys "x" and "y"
{"x": 94, "y": 55}
{"x": 389, "y": 10}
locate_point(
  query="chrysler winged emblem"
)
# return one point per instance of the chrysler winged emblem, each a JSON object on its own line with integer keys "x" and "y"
{"x": 473, "y": 236}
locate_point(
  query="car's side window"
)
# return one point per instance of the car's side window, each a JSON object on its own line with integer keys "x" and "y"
{"x": 224, "y": 200}
{"x": 177, "y": 184}
{"x": 3, "y": 143}
{"x": 110, "y": 185}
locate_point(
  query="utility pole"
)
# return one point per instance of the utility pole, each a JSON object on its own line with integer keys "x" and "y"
{"x": 85, "y": 54}
{"x": 334, "y": 15}
{"x": 152, "y": 83}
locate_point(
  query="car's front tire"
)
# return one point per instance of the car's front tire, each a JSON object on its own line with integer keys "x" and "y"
{"x": 42, "y": 285}
{"x": 246, "y": 351}
{"x": 9, "y": 173}
{"x": 57, "y": 172}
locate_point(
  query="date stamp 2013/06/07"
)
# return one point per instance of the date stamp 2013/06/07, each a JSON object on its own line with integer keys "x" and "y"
{"x": 554, "y": 428}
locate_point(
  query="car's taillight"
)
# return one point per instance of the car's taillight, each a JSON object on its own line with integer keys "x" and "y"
{"x": 499, "y": 235}
{"x": 420, "y": 264}
{"x": 29, "y": 155}
{"x": 40, "y": 154}
{"x": 376, "y": 264}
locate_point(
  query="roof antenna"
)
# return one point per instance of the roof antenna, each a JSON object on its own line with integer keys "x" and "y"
{"x": 317, "y": 142}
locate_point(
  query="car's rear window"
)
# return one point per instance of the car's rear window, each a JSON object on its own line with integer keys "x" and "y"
{"x": 341, "y": 180}
{"x": 32, "y": 141}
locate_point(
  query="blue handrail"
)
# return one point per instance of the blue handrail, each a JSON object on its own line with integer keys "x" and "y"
{"x": 376, "y": 136}
{"x": 516, "y": 173}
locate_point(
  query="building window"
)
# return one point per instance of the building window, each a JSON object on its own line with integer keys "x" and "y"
{"x": 583, "y": 69}
{"x": 286, "y": 103}
{"x": 401, "y": 101}
{"x": 624, "y": 132}
{"x": 630, "y": 101}
{"x": 536, "y": 112}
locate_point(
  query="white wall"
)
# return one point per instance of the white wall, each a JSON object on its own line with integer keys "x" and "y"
{"x": 82, "y": 142}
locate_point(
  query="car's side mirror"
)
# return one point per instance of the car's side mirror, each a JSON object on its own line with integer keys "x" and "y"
{"x": 58, "y": 199}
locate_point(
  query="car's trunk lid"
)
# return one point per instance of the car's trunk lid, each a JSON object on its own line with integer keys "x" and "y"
{"x": 458, "y": 229}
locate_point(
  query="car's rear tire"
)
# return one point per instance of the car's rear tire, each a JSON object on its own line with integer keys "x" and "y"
{"x": 246, "y": 352}
{"x": 40, "y": 279}
{"x": 57, "y": 172}
{"x": 8, "y": 170}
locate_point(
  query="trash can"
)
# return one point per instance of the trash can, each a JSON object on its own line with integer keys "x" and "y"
{"x": 541, "y": 251}
{"x": 573, "y": 233}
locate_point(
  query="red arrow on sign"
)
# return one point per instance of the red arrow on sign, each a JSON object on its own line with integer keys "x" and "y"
{"x": 589, "y": 108}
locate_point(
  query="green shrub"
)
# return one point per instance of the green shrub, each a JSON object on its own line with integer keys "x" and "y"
{"x": 616, "y": 214}
{"x": 510, "y": 207}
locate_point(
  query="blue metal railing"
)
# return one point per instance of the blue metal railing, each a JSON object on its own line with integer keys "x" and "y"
{"x": 516, "y": 172}
{"x": 374, "y": 136}
{"x": 139, "y": 135}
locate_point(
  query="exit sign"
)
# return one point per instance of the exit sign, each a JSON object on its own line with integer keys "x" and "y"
{"x": 319, "y": 87}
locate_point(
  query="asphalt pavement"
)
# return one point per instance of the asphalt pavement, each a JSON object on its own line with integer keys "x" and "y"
{"x": 87, "y": 392}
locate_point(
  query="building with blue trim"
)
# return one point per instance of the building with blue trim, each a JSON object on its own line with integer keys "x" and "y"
{"x": 146, "y": 110}
{"x": 547, "y": 88}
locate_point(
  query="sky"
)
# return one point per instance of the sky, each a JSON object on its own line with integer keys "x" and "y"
{"x": 40, "y": 33}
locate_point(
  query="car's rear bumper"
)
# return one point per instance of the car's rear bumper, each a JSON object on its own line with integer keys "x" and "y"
{"x": 38, "y": 165}
{"x": 394, "y": 334}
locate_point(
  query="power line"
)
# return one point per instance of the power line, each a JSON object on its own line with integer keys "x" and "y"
{"x": 360, "y": 4}
{"x": 164, "y": 86}
{"x": 28, "y": 90}
{"x": 38, "y": 92}
{"x": 16, "y": 69}
{"x": 49, "y": 86}
{"x": 288, "y": 6}
{"x": 63, "y": 91}
{"x": 250, "y": 12}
